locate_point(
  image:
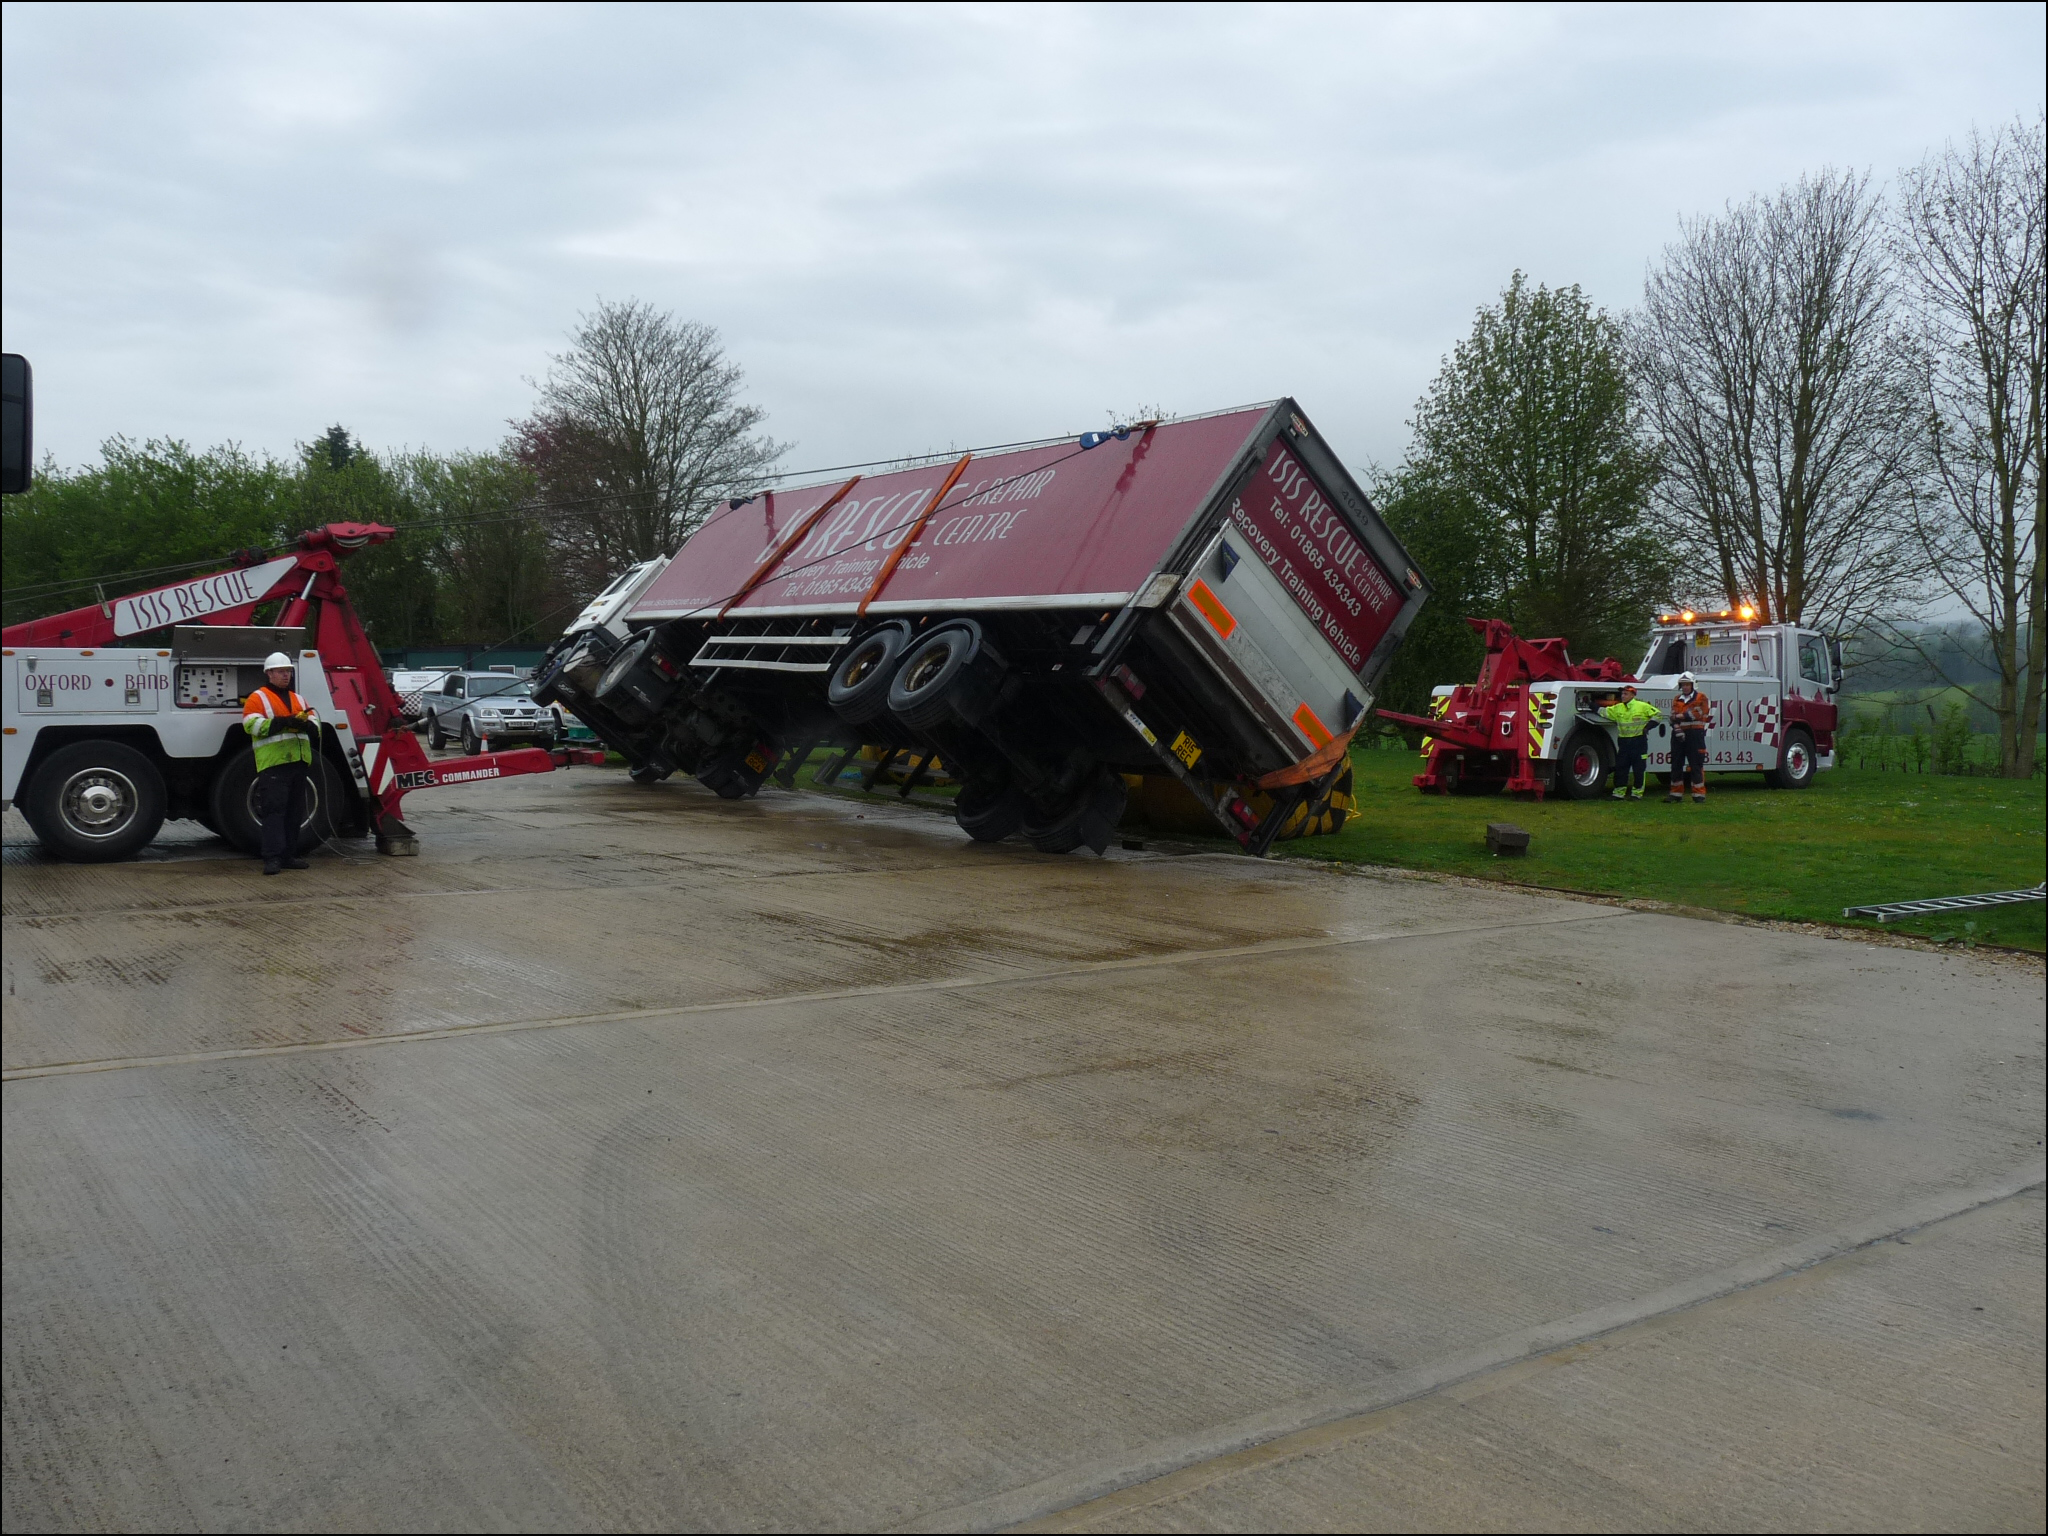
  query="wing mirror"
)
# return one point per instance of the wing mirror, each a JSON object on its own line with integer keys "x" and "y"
{"x": 17, "y": 424}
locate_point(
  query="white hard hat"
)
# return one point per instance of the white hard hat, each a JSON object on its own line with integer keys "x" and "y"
{"x": 275, "y": 660}
{"x": 1686, "y": 677}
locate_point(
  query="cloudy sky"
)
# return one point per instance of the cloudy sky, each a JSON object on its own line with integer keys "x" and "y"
{"x": 916, "y": 227}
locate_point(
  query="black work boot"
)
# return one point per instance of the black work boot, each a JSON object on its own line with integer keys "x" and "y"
{"x": 271, "y": 866}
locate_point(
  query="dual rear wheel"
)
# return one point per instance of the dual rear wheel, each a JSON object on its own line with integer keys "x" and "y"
{"x": 932, "y": 685}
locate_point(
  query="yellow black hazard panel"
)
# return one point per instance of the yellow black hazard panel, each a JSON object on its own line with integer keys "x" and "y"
{"x": 1320, "y": 818}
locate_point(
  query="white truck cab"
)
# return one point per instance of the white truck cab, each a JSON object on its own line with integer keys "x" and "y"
{"x": 1771, "y": 688}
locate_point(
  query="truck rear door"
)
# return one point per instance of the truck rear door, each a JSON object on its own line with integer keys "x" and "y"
{"x": 1293, "y": 601}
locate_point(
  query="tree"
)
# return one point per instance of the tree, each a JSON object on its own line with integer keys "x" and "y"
{"x": 1459, "y": 545}
{"x": 1969, "y": 240}
{"x": 1530, "y": 462}
{"x": 142, "y": 508}
{"x": 491, "y": 547}
{"x": 640, "y": 431}
{"x": 1766, "y": 347}
{"x": 395, "y": 587}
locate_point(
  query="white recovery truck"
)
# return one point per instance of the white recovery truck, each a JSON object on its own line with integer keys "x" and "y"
{"x": 1531, "y": 723}
{"x": 123, "y": 714}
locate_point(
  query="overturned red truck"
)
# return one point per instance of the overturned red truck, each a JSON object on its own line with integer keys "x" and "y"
{"x": 1212, "y": 598}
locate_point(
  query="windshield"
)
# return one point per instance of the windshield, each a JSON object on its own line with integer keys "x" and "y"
{"x": 492, "y": 688}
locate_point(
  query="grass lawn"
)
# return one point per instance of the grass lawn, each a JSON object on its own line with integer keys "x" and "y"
{"x": 1856, "y": 836}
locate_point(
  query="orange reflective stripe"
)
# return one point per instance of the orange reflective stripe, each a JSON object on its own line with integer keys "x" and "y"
{"x": 889, "y": 565}
{"x": 1212, "y": 609}
{"x": 1312, "y": 727}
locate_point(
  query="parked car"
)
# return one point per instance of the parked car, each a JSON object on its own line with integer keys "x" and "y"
{"x": 414, "y": 686}
{"x": 499, "y": 706}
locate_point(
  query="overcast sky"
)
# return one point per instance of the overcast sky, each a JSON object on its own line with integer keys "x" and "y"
{"x": 916, "y": 227}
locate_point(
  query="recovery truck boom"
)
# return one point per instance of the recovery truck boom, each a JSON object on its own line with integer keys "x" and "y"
{"x": 104, "y": 738}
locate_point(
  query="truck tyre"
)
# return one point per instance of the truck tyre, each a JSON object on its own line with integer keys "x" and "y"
{"x": 859, "y": 690}
{"x": 989, "y": 814}
{"x": 1090, "y": 818}
{"x": 95, "y": 801}
{"x": 435, "y": 738}
{"x": 471, "y": 742}
{"x": 1583, "y": 766}
{"x": 1797, "y": 763}
{"x": 233, "y": 803}
{"x": 925, "y": 684}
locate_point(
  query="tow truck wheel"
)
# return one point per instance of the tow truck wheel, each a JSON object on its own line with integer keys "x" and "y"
{"x": 1090, "y": 818}
{"x": 1796, "y": 765}
{"x": 95, "y": 801}
{"x": 1583, "y": 766}
{"x": 988, "y": 813}
{"x": 237, "y": 819}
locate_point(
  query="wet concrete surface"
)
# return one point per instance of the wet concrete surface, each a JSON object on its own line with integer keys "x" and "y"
{"x": 634, "y": 1159}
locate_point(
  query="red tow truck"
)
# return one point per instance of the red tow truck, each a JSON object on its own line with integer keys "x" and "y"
{"x": 125, "y": 713}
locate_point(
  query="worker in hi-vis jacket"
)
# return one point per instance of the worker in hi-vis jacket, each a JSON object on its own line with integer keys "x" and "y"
{"x": 1691, "y": 714}
{"x": 1631, "y": 717}
{"x": 282, "y": 728}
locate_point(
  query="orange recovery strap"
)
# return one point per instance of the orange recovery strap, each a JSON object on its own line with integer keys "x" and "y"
{"x": 1316, "y": 765}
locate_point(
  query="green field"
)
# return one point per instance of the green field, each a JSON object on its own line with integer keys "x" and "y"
{"x": 1854, "y": 837}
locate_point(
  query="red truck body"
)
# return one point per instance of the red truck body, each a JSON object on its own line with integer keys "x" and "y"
{"x": 1213, "y": 597}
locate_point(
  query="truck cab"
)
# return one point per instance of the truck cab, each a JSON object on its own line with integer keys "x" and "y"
{"x": 1772, "y": 686}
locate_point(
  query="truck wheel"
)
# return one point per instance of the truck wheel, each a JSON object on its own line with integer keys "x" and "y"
{"x": 922, "y": 689}
{"x": 471, "y": 742}
{"x": 1090, "y": 818}
{"x": 233, "y": 803}
{"x": 1797, "y": 763}
{"x": 434, "y": 737}
{"x": 1583, "y": 766}
{"x": 989, "y": 814}
{"x": 95, "y": 801}
{"x": 859, "y": 690}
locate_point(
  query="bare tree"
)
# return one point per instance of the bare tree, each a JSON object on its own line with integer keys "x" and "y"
{"x": 640, "y": 431}
{"x": 1767, "y": 353}
{"x": 1970, "y": 242}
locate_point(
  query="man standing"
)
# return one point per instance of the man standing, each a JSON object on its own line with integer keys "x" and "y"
{"x": 1690, "y": 716}
{"x": 281, "y": 727}
{"x": 1631, "y": 718}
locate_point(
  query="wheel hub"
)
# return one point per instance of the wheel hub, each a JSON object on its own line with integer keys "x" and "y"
{"x": 98, "y": 801}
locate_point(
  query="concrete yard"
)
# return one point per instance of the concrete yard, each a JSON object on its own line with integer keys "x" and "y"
{"x": 634, "y": 1160}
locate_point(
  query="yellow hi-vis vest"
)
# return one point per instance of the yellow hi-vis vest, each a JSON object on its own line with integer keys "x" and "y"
{"x": 1631, "y": 718}
{"x": 272, "y": 749}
